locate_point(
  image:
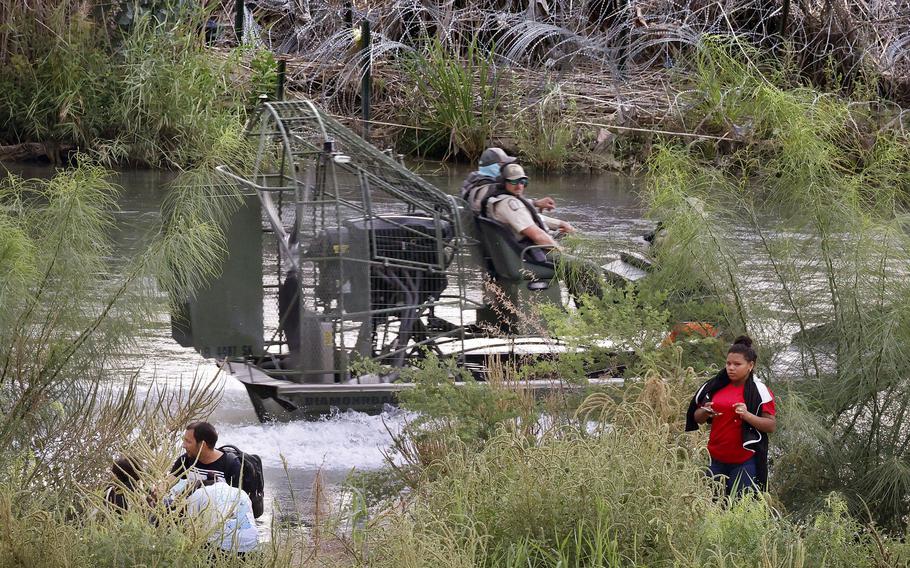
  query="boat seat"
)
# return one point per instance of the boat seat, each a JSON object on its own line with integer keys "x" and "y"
{"x": 507, "y": 258}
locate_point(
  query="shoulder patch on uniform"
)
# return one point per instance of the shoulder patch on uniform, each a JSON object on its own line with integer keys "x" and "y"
{"x": 514, "y": 204}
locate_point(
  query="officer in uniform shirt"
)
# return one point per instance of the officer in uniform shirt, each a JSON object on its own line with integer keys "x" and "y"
{"x": 509, "y": 206}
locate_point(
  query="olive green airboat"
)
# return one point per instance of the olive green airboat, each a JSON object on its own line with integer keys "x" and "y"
{"x": 344, "y": 260}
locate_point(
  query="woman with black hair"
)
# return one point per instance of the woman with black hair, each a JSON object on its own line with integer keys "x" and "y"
{"x": 126, "y": 472}
{"x": 740, "y": 410}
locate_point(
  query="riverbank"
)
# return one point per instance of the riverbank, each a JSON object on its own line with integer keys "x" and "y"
{"x": 565, "y": 88}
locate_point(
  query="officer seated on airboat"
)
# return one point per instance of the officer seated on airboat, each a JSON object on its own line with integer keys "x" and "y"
{"x": 506, "y": 203}
{"x": 509, "y": 222}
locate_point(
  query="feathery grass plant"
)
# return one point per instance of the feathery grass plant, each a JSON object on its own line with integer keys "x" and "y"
{"x": 69, "y": 319}
{"x": 818, "y": 203}
{"x": 67, "y": 405}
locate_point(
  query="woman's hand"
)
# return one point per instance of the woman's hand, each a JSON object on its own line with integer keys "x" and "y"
{"x": 704, "y": 412}
{"x": 764, "y": 423}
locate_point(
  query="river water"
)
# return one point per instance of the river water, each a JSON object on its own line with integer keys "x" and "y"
{"x": 603, "y": 207}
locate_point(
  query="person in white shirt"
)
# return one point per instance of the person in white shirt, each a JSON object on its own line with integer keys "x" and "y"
{"x": 224, "y": 512}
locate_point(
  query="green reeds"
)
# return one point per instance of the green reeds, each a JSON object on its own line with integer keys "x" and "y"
{"x": 69, "y": 317}
{"x": 454, "y": 101}
{"x": 176, "y": 100}
{"x": 815, "y": 195}
{"x": 151, "y": 93}
{"x": 545, "y": 132}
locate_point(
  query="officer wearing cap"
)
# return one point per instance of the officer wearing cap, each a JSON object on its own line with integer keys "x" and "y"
{"x": 508, "y": 205}
{"x": 480, "y": 183}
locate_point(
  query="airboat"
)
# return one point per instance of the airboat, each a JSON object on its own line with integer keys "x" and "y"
{"x": 366, "y": 267}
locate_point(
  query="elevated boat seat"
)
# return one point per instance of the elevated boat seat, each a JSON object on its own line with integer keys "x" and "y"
{"x": 509, "y": 259}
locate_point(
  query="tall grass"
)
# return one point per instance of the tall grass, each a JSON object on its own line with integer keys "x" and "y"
{"x": 820, "y": 196}
{"x": 151, "y": 93}
{"x": 94, "y": 535}
{"x": 176, "y": 99}
{"x": 57, "y": 71}
{"x": 455, "y": 99}
{"x": 67, "y": 320}
{"x": 633, "y": 493}
{"x": 545, "y": 132}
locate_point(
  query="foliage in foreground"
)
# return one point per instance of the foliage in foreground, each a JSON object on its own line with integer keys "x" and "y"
{"x": 37, "y": 531}
{"x": 454, "y": 100}
{"x": 70, "y": 314}
{"x": 800, "y": 233}
{"x": 631, "y": 493}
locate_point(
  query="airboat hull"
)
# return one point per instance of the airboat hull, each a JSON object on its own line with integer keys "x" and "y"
{"x": 278, "y": 400}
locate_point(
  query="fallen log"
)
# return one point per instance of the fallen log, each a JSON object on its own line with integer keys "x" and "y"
{"x": 27, "y": 151}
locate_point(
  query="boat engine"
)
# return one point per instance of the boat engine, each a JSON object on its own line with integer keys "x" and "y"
{"x": 380, "y": 271}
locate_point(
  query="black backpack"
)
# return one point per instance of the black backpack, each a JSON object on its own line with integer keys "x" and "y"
{"x": 251, "y": 478}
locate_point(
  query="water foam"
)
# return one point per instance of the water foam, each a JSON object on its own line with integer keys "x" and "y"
{"x": 341, "y": 442}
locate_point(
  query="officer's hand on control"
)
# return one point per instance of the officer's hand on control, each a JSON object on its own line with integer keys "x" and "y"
{"x": 545, "y": 204}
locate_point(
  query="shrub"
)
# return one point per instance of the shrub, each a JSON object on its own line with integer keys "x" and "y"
{"x": 455, "y": 100}
{"x": 823, "y": 205}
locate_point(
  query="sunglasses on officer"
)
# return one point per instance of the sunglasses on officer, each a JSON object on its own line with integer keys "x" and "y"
{"x": 520, "y": 181}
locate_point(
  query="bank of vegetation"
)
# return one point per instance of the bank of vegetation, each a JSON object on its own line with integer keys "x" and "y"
{"x": 126, "y": 86}
{"x": 564, "y": 84}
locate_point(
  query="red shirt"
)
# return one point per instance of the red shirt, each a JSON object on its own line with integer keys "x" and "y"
{"x": 725, "y": 444}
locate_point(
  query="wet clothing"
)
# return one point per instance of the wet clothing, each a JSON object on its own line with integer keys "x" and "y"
{"x": 226, "y": 468}
{"x": 224, "y": 510}
{"x": 734, "y": 441}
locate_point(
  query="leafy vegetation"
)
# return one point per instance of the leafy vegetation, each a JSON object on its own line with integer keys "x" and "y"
{"x": 149, "y": 92}
{"x": 493, "y": 477}
{"x": 68, "y": 402}
{"x": 822, "y": 193}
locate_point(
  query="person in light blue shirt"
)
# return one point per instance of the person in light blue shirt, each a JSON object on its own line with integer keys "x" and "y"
{"x": 225, "y": 513}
